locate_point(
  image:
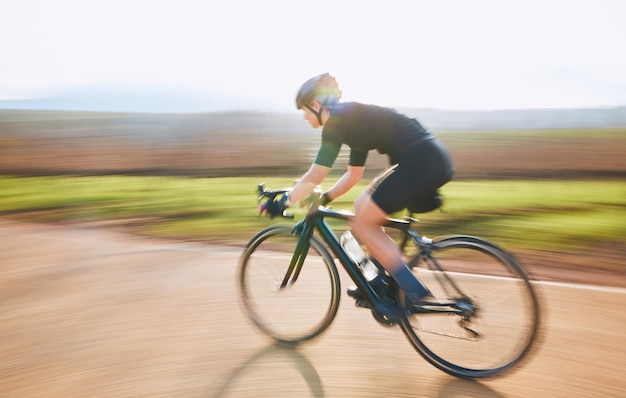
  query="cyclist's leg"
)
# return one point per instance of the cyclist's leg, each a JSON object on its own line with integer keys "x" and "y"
{"x": 367, "y": 225}
{"x": 424, "y": 169}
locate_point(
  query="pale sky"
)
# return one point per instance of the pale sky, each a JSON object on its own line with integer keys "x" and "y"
{"x": 460, "y": 54}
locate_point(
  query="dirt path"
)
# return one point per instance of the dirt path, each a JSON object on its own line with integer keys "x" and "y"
{"x": 87, "y": 312}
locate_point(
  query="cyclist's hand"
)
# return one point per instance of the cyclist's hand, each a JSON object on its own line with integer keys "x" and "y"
{"x": 309, "y": 199}
{"x": 275, "y": 207}
{"x": 324, "y": 199}
{"x": 314, "y": 196}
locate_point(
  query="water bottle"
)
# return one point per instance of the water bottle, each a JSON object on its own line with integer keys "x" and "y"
{"x": 356, "y": 253}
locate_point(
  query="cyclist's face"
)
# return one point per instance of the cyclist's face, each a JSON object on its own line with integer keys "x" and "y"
{"x": 310, "y": 116}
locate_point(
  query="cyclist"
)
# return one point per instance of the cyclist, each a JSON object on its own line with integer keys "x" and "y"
{"x": 421, "y": 165}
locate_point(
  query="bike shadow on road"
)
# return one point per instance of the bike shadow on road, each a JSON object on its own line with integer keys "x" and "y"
{"x": 457, "y": 388}
{"x": 268, "y": 369}
{"x": 271, "y": 370}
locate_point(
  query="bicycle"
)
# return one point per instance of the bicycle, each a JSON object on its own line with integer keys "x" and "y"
{"x": 482, "y": 321}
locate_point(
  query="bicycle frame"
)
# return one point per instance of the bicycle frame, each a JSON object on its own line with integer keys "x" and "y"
{"x": 316, "y": 220}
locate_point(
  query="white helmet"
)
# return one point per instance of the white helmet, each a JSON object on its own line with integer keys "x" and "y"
{"x": 322, "y": 88}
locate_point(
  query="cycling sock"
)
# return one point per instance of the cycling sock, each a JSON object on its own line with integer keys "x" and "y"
{"x": 409, "y": 283}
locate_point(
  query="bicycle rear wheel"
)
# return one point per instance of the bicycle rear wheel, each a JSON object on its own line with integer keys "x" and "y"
{"x": 498, "y": 319}
{"x": 303, "y": 308}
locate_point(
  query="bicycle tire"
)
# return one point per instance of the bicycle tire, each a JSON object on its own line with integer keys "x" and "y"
{"x": 303, "y": 309}
{"x": 507, "y": 319}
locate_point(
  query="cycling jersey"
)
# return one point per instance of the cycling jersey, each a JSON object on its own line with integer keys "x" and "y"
{"x": 367, "y": 127}
{"x": 423, "y": 163}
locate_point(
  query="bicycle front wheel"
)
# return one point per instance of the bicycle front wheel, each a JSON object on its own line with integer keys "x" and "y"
{"x": 300, "y": 309}
{"x": 496, "y": 319}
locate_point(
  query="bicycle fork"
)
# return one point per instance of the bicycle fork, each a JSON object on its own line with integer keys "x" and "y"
{"x": 299, "y": 255}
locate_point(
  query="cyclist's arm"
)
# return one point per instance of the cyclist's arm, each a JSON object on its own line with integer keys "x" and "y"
{"x": 308, "y": 182}
{"x": 346, "y": 182}
{"x": 326, "y": 156}
{"x": 351, "y": 177}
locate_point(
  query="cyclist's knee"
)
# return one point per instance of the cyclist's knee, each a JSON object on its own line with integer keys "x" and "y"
{"x": 361, "y": 202}
{"x": 367, "y": 214}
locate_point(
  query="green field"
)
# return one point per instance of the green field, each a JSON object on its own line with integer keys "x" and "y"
{"x": 543, "y": 214}
{"x": 555, "y": 198}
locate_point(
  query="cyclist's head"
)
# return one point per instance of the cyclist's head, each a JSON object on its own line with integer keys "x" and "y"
{"x": 322, "y": 89}
{"x": 318, "y": 94}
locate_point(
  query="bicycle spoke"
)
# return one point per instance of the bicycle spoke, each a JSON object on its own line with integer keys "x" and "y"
{"x": 288, "y": 309}
{"x": 493, "y": 320}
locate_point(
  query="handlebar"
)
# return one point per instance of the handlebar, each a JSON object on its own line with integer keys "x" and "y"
{"x": 270, "y": 194}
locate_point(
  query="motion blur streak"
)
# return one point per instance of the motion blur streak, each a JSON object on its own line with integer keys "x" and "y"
{"x": 89, "y": 312}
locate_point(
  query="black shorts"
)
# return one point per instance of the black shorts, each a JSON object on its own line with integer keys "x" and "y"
{"x": 414, "y": 182}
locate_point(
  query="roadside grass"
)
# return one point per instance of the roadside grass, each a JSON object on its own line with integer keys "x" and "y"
{"x": 535, "y": 214}
{"x": 530, "y": 214}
